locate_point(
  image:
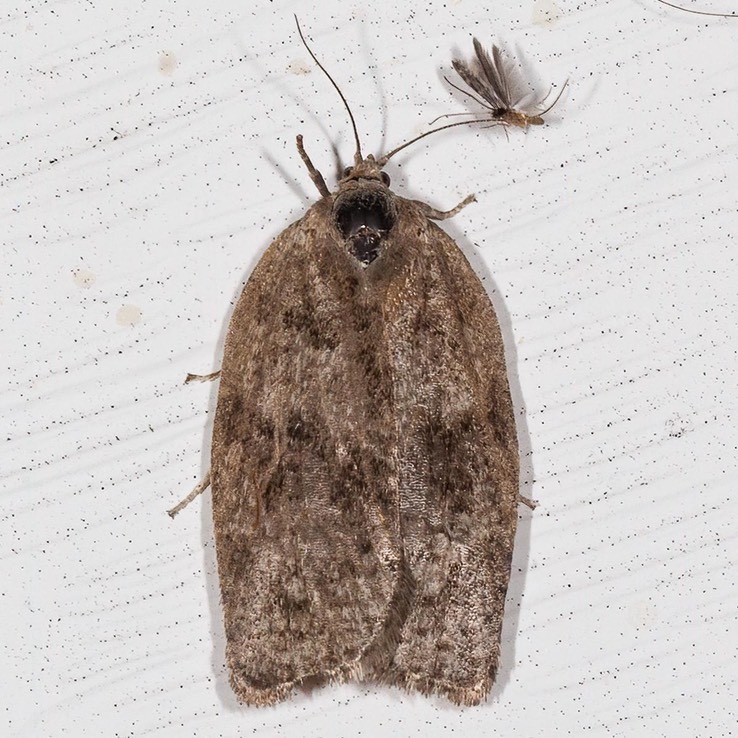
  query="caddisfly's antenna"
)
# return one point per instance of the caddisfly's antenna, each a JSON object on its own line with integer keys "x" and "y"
{"x": 698, "y": 12}
{"x": 550, "y": 107}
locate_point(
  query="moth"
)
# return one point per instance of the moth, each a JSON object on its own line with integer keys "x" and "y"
{"x": 493, "y": 82}
{"x": 364, "y": 460}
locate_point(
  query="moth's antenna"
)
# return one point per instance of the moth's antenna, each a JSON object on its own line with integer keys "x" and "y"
{"x": 381, "y": 162}
{"x": 357, "y": 156}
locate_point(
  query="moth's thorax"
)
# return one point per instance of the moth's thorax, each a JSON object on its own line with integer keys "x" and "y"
{"x": 364, "y": 211}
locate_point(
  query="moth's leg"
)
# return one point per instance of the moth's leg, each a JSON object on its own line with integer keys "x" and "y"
{"x": 201, "y": 487}
{"x": 315, "y": 175}
{"x": 527, "y": 501}
{"x": 202, "y": 377}
{"x": 434, "y": 214}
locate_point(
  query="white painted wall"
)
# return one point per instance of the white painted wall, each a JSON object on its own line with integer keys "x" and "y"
{"x": 148, "y": 159}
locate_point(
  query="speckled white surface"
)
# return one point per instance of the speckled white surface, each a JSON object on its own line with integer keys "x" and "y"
{"x": 148, "y": 159}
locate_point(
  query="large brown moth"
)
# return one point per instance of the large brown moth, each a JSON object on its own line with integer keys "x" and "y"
{"x": 364, "y": 459}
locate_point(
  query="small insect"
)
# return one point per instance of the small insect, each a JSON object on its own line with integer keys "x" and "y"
{"x": 492, "y": 79}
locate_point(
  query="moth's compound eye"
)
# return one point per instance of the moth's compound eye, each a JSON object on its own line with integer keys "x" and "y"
{"x": 347, "y": 171}
{"x": 385, "y": 178}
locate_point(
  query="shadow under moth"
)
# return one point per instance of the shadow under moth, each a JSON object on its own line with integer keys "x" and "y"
{"x": 364, "y": 461}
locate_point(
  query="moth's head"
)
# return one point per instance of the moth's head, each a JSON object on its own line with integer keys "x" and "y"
{"x": 365, "y": 170}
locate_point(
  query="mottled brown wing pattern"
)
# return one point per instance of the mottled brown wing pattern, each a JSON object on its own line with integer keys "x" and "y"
{"x": 458, "y": 465}
{"x": 365, "y": 465}
{"x": 304, "y": 479}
